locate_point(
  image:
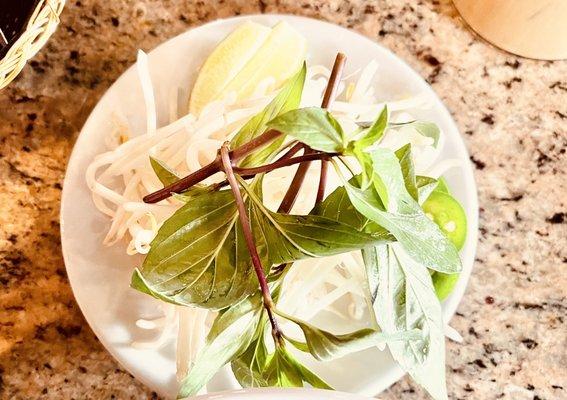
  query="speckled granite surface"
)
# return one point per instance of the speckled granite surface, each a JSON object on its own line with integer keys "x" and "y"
{"x": 512, "y": 113}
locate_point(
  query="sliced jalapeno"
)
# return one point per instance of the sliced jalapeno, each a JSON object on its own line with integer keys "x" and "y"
{"x": 451, "y": 218}
{"x": 449, "y": 215}
{"x": 442, "y": 186}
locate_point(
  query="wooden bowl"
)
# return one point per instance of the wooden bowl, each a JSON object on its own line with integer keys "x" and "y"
{"x": 528, "y": 28}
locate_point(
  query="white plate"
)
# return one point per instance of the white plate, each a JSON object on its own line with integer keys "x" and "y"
{"x": 100, "y": 275}
{"x": 280, "y": 394}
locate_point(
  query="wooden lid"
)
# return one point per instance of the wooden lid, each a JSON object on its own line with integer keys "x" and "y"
{"x": 529, "y": 28}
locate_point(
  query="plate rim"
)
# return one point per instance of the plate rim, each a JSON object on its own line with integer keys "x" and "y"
{"x": 243, "y": 394}
{"x": 450, "y": 305}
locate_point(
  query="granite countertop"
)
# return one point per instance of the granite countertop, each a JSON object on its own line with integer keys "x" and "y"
{"x": 512, "y": 113}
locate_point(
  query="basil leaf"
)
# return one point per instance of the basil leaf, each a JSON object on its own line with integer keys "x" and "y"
{"x": 140, "y": 283}
{"x": 371, "y": 136}
{"x": 295, "y": 237}
{"x": 199, "y": 255}
{"x": 385, "y": 280}
{"x": 283, "y": 370}
{"x": 425, "y": 186}
{"x": 376, "y": 131}
{"x": 304, "y": 236}
{"x": 313, "y": 126}
{"x": 419, "y": 187}
{"x": 325, "y": 346}
{"x": 366, "y": 163}
{"x": 406, "y": 300}
{"x": 408, "y": 172}
{"x": 165, "y": 174}
{"x": 429, "y": 129}
{"x": 231, "y": 333}
{"x": 371, "y": 261}
{"x": 309, "y": 376}
{"x": 338, "y": 206}
{"x": 299, "y": 345}
{"x": 425, "y": 128}
{"x": 288, "y": 98}
{"x": 403, "y": 217}
{"x": 249, "y": 366}
{"x": 194, "y": 191}
{"x": 256, "y": 368}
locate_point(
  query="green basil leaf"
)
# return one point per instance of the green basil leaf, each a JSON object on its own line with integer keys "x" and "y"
{"x": 199, "y": 256}
{"x": 376, "y": 131}
{"x": 406, "y": 300}
{"x": 305, "y": 236}
{"x": 408, "y": 172}
{"x": 142, "y": 285}
{"x": 425, "y": 186}
{"x": 165, "y": 174}
{"x": 226, "y": 317}
{"x": 366, "y": 163}
{"x": 283, "y": 370}
{"x": 371, "y": 261}
{"x": 194, "y": 191}
{"x": 325, "y": 346}
{"x": 248, "y": 368}
{"x": 371, "y": 136}
{"x": 429, "y": 129}
{"x": 425, "y": 128}
{"x": 299, "y": 345}
{"x": 338, "y": 207}
{"x": 256, "y": 368}
{"x": 288, "y": 98}
{"x": 403, "y": 217}
{"x": 310, "y": 377}
{"x": 313, "y": 126}
{"x": 295, "y": 237}
{"x": 232, "y": 332}
{"x": 247, "y": 374}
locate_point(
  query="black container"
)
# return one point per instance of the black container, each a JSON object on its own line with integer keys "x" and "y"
{"x": 14, "y": 17}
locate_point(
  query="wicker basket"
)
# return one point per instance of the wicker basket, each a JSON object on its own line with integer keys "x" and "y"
{"x": 40, "y": 26}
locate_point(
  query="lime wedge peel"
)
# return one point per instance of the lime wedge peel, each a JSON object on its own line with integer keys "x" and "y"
{"x": 253, "y": 57}
{"x": 224, "y": 63}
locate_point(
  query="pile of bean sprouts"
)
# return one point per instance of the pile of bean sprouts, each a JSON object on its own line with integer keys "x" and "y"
{"x": 120, "y": 177}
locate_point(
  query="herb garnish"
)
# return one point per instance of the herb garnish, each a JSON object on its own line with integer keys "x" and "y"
{"x": 224, "y": 250}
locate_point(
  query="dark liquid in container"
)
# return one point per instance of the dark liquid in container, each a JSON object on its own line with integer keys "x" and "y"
{"x": 14, "y": 16}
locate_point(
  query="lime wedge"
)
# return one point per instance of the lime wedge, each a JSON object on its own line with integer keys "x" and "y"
{"x": 279, "y": 57}
{"x": 225, "y": 62}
